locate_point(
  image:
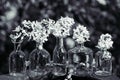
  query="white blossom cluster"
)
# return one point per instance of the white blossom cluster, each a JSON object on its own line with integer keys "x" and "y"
{"x": 39, "y": 32}
{"x": 35, "y": 30}
{"x": 48, "y": 24}
{"x": 62, "y": 27}
{"x": 81, "y": 34}
{"x": 17, "y": 35}
{"x": 105, "y": 42}
{"x": 28, "y": 25}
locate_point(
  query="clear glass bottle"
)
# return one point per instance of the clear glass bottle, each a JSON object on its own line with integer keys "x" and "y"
{"x": 59, "y": 58}
{"x": 17, "y": 61}
{"x": 80, "y": 60}
{"x": 103, "y": 61}
{"x": 39, "y": 58}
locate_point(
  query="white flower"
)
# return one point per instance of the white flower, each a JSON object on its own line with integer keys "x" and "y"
{"x": 38, "y": 33}
{"x": 17, "y": 29}
{"x": 105, "y": 41}
{"x": 27, "y": 24}
{"x": 28, "y": 27}
{"x": 17, "y": 34}
{"x": 48, "y": 24}
{"x": 62, "y": 27}
{"x": 81, "y": 34}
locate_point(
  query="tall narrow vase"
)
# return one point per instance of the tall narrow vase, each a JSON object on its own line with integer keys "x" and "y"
{"x": 59, "y": 58}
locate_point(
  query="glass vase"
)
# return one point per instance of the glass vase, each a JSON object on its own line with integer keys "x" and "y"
{"x": 80, "y": 60}
{"x": 39, "y": 58}
{"x": 17, "y": 61}
{"x": 59, "y": 58}
{"x": 103, "y": 61}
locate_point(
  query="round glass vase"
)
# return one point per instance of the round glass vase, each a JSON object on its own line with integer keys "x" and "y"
{"x": 39, "y": 58}
{"x": 80, "y": 60}
{"x": 17, "y": 61}
{"x": 103, "y": 60}
{"x": 59, "y": 58}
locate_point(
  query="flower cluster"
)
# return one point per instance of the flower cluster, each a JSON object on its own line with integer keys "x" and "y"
{"x": 62, "y": 27}
{"x": 17, "y": 35}
{"x": 48, "y": 24}
{"x": 28, "y": 27}
{"x": 105, "y": 41}
{"x": 81, "y": 34}
{"x": 39, "y": 32}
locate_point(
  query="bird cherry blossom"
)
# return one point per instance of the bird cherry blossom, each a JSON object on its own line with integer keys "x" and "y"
{"x": 48, "y": 24}
{"x": 105, "y": 42}
{"x": 17, "y": 35}
{"x": 39, "y": 31}
{"x": 81, "y": 34}
{"x": 62, "y": 27}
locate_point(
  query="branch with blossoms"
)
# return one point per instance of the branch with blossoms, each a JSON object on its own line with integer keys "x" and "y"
{"x": 28, "y": 28}
{"x": 17, "y": 35}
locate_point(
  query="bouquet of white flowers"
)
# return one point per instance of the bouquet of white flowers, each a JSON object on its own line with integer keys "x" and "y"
{"x": 62, "y": 27}
{"x": 39, "y": 30}
{"x": 81, "y": 34}
{"x": 105, "y": 41}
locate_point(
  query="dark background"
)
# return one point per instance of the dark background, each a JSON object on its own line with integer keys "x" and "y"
{"x": 98, "y": 17}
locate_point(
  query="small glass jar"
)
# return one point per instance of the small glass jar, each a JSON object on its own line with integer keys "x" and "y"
{"x": 39, "y": 58}
{"x": 80, "y": 60}
{"x": 59, "y": 58}
{"x": 17, "y": 61}
{"x": 103, "y": 61}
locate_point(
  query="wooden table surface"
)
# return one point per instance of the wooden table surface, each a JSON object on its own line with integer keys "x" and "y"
{"x": 93, "y": 77}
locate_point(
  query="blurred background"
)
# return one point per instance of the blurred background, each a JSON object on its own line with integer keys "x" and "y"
{"x": 100, "y": 16}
